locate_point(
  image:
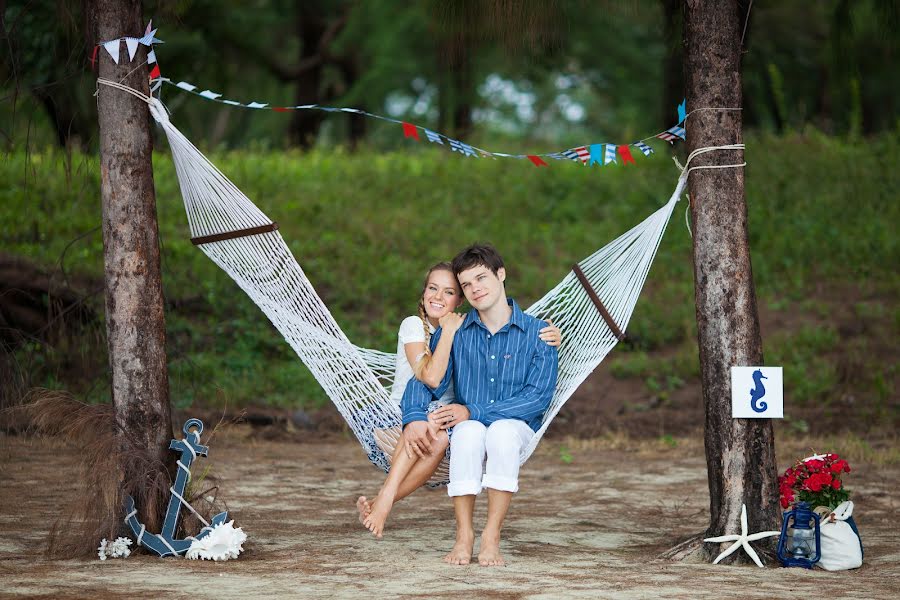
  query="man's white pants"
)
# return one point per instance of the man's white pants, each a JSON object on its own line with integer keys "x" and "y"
{"x": 486, "y": 456}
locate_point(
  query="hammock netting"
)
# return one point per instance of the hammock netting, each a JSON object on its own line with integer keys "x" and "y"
{"x": 358, "y": 380}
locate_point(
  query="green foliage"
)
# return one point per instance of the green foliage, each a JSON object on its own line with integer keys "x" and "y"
{"x": 366, "y": 226}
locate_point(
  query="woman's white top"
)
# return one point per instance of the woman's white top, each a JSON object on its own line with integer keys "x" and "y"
{"x": 411, "y": 331}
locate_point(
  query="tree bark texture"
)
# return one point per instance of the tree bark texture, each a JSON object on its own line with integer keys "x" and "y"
{"x": 740, "y": 453}
{"x": 135, "y": 320}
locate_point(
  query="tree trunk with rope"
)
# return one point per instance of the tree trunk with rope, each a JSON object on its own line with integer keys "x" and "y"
{"x": 135, "y": 321}
{"x": 740, "y": 453}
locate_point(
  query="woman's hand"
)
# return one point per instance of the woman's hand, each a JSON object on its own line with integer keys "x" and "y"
{"x": 451, "y": 322}
{"x": 551, "y": 334}
{"x": 450, "y": 415}
{"x": 417, "y": 438}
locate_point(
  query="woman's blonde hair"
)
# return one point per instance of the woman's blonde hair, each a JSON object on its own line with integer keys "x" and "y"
{"x": 422, "y": 363}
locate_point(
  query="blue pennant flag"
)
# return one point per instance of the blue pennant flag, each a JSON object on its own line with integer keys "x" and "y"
{"x": 682, "y": 111}
{"x": 596, "y": 154}
{"x": 644, "y": 148}
{"x": 610, "y": 156}
{"x": 462, "y": 148}
{"x": 433, "y": 137}
{"x": 676, "y": 130}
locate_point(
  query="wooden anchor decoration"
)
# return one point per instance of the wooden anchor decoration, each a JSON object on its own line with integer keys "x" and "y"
{"x": 164, "y": 543}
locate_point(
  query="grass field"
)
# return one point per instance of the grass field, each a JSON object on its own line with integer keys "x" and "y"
{"x": 822, "y": 211}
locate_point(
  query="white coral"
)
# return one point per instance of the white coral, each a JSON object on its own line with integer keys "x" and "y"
{"x": 223, "y": 542}
{"x": 116, "y": 549}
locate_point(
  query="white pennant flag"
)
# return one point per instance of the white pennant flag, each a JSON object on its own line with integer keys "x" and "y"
{"x": 113, "y": 49}
{"x": 151, "y": 57}
{"x": 132, "y": 44}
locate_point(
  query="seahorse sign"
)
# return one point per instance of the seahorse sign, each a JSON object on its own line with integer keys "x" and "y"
{"x": 758, "y": 392}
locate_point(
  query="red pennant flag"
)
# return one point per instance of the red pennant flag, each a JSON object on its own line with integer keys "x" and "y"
{"x": 94, "y": 56}
{"x": 154, "y": 74}
{"x": 625, "y": 153}
{"x": 410, "y": 131}
{"x": 281, "y": 109}
{"x": 537, "y": 160}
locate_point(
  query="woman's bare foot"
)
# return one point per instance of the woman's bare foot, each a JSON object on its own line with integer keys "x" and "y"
{"x": 489, "y": 553}
{"x": 378, "y": 514}
{"x": 461, "y": 554}
{"x": 364, "y": 508}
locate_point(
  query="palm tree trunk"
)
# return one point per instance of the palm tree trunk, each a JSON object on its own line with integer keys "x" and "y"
{"x": 134, "y": 302}
{"x": 740, "y": 453}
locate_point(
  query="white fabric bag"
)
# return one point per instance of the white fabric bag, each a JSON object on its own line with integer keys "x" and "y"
{"x": 841, "y": 544}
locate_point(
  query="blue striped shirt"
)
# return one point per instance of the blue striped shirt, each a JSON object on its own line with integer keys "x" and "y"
{"x": 507, "y": 375}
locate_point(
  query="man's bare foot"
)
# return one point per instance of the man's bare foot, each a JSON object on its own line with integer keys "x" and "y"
{"x": 378, "y": 514}
{"x": 364, "y": 508}
{"x": 461, "y": 554}
{"x": 489, "y": 553}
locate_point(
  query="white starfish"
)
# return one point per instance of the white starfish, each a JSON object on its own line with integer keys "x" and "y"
{"x": 742, "y": 540}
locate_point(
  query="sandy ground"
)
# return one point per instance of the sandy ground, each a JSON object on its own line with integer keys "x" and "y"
{"x": 586, "y": 528}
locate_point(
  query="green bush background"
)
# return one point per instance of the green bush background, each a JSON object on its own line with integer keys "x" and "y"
{"x": 365, "y": 226}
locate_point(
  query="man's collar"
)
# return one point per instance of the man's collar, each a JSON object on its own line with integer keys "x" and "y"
{"x": 517, "y": 318}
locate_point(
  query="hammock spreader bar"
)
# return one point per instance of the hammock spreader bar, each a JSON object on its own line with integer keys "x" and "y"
{"x": 230, "y": 235}
{"x": 596, "y": 300}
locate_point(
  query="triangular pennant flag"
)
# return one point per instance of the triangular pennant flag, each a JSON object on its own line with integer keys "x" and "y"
{"x": 644, "y": 148}
{"x": 463, "y": 148}
{"x": 433, "y": 137}
{"x": 257, "y": 105}
{"x": 154, "y": 74}
{"x": 149, "y": 27}
{"x": 610, "y": 156}
{"x": 410, "y": 131}
{"x": 132, "y": 44}
{"x": 676, "y": 130}
{"x": 149, "y": 38}
{"x": 151, "y": 57}
{"x": 113, "y": 49}
{"x": 596, "y": 154}
{"x": 682, "y": 114}
{"x": 536, "y": 160}
{"x": 625, "y": 153}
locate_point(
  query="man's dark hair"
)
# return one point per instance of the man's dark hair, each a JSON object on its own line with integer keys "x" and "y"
{"x": 477, "y": 255}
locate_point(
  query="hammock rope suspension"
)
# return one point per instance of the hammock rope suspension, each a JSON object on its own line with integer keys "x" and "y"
{"x": 247, "y": 245}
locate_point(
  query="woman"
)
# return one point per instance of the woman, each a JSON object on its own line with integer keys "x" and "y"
{"x": 440, "y": 297}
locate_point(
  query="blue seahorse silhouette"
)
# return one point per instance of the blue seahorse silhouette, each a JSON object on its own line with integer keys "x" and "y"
{"x": 758, "y": 392}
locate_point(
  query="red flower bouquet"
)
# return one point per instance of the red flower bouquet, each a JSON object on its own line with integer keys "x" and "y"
{"x": 816, "y": 480}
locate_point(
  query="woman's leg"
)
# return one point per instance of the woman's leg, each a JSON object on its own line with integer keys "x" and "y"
{"x": 424, "y": 468}
{"x": 406, "y": 475}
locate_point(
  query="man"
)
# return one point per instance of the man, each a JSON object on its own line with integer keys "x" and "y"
{"x": 504, "y": 377}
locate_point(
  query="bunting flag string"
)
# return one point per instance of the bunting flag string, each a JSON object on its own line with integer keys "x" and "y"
{"x": 149, "y": 38}
{"x": 601, "y": 154}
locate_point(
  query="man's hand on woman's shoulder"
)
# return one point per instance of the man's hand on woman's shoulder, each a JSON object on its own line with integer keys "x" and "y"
{"x": 551, "y": 334}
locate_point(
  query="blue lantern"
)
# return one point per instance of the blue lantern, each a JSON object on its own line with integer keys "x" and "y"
{"x": 800, "y": 542}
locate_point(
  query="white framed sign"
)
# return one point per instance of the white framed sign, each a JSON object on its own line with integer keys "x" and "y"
{"x": 757, "y": 393}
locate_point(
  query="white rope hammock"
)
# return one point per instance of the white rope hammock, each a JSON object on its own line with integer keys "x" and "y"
{"x": 245, "y": 243}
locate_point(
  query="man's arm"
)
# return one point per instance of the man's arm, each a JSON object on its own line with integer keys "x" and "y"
{"x": 534, "y": 398}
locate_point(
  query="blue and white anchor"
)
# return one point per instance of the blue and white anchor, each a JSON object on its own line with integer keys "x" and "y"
{"x": 164, "y": 543}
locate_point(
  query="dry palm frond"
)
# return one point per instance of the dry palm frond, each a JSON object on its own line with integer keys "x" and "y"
{"x": 112, "y": 465}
